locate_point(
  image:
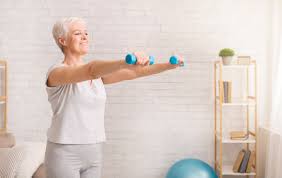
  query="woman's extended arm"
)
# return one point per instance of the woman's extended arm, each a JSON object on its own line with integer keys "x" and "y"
{"x": 92, "y": 70}
{"x": 137, "y": 72}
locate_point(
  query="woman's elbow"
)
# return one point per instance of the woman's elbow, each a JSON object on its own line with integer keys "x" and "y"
{"x": 91, "y": 71}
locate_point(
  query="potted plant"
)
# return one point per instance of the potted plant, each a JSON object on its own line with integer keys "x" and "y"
{"x": 227, "y": 55}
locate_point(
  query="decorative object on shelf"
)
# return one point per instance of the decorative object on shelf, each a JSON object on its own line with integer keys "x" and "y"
{"x": 243, "y": 60}
{"x": 227, "y": 55}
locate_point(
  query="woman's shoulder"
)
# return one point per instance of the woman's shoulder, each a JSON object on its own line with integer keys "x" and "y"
{"x": 52, "y": 67}
{"x": 59, "y": 64}
{"x": 55, "y": 65}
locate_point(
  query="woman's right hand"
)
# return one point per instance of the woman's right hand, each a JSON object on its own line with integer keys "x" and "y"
{"x": 180, "y": 61}
{"x": 142, "y": 58}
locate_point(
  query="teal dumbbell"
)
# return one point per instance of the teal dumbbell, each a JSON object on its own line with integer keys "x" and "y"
{"x": 131, "y": 59}
{"x": 174, "y": 60}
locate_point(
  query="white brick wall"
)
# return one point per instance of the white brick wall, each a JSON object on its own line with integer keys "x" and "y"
{"x": 150, "y": 122}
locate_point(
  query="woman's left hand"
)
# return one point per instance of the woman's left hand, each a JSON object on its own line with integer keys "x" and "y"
{"x": 142, "y": 58}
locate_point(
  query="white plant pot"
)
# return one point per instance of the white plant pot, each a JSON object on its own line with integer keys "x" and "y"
{"x": 227, "y": 60}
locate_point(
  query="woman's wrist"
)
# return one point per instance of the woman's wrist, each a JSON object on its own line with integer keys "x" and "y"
{"x": 171, "y": 66}
{"x": 124, "y": 65}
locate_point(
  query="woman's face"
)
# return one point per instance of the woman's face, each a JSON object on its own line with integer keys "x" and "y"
{"x": 77, "y": 38}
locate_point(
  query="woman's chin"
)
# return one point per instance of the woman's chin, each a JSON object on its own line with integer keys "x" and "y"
{"x": 83, "y": 52}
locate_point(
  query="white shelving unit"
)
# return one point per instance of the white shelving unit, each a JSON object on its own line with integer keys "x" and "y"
{"x": 249, "y": 101}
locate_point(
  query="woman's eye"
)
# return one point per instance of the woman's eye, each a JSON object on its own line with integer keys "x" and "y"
{"x": 86, "y": 33}
{"x": 77, "y": 33}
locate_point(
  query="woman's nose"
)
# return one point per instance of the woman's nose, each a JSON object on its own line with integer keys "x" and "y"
{"x": 84, "y": 37}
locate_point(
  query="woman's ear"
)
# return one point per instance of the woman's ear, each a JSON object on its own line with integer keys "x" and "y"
{"x": 62, "y": 41}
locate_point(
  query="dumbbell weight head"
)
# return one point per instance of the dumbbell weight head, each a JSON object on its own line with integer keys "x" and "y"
{"x": 174, "y": 60}
{"x": 152, "y": 60}
{"x": 130, "y": 59}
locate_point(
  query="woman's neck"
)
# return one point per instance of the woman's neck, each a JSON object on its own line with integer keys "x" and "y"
{"x": 73, "y": 59}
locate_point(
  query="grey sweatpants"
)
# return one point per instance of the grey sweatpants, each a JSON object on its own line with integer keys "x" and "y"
{"x": 73, "y": 160}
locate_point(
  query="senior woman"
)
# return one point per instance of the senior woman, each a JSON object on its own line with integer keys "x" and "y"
{"x": 77, "y": 96}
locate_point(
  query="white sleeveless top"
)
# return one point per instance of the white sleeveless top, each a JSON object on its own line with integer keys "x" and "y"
{"x": 78, "y": 111}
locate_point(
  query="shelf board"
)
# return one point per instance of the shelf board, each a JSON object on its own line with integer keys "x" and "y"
{"x": 236, "y": 66}
{"x": 227, "y": 170}
{"x": 226, "y": 139}
{"x": 238, "y": 102}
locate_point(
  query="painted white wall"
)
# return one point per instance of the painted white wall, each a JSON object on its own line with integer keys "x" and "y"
{"x": 150, "y": 122}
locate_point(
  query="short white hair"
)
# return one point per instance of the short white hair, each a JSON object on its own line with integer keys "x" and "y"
{"x": 61, "y": 28}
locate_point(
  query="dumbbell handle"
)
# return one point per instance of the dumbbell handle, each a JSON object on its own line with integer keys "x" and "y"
{"x": 131, "y": 59}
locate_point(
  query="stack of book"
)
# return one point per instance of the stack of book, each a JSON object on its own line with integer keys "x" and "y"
{"x": 244, "y": 161}
{"x": 243, "y": 60}
{"x": 239, "y": 135}
{"x": 227, "y": 89}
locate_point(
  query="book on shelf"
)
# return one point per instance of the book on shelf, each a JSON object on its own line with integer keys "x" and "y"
{"x": 244, "y": 161}
{"x": 239, "y": 135}
{"x": 244, "y": 164}
{"x": 239, "y": 160}
{"x": 227, "y": 91}
{"x": 251, "y": 161}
